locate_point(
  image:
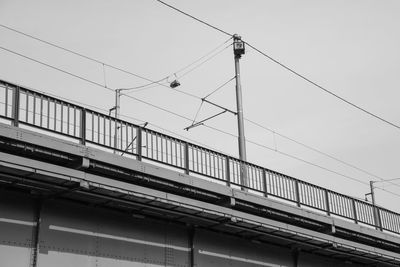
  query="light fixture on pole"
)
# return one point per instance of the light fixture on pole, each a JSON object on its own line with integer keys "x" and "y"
{"x": 175, "y": 83}
{"x": 238, "y": 50}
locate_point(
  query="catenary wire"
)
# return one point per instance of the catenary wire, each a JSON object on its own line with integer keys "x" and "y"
{"x": 129, "y": 117}
{"x": 319, "y": 151}
{"x": 288, "y": 68}
{"x": 220, "y": 87}
{"x": 304, "y": 78}
{"x": 104, "y": 64}
{"x": 193, "y": 17}
{"x": 218, "y": 29}
{"x": 205, "y": 61}
{"x": 166, "y": 110}
{"x": 213, "y": 53}
{"x": 322, "y": 87}
{"x": 203, "y": 57}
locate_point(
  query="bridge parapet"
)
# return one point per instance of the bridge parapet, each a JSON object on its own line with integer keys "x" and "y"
{"x": 28, "y": 108}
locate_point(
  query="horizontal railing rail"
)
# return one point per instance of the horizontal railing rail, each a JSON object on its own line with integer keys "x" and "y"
{"x": 25, "y": 106}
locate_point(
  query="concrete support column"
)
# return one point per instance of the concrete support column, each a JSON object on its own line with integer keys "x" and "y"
{"x": 295, "y": 257}
{"x": 191, "y": 232}
{"x": 35, "y": 233}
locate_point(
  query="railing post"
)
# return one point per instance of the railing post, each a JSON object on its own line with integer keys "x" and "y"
{"x": 297, "y": 189}
{"x": 264, "y": 177}
{"x": 353, "y": 203}
{"x": 328, "y": 208}
{"x": 378, "y": 222}
{"x": 15, "y": 106}
{"x": 139, "y": 143}
{"x": 186, "y": 158}
{"x": 83, "y": 127}
{"x": 228, "y": 171}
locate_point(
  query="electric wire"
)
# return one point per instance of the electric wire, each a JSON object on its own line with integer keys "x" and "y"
{"x": 209, "y": 25}
{"x": 212, "y": 55}
{"x": 129, "y": 117}
{"x": 140, "y": 100}
{"x": 288, "y": 69}
{"x": 206, "y": 55}
{"x": 319, "y": 151}
{"x": 55, "y": 68}
{"x": 197, "y": 112}
{"x": 104, "y": 64}
{"x": 322, "y": 87}
{"x": 144, "y": 86}
{"x": 205, "y": 61}
{"x": 172, "y": 112}
{"x": 193, "y": 17}
{"x": 220, "y": 87}
{"x": 302, "y": 77}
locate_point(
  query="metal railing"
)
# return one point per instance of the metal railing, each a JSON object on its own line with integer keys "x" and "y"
{"x": 24, "y": 106}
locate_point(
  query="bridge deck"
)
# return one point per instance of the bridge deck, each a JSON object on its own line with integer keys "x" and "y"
{"x": 52, "y": 150}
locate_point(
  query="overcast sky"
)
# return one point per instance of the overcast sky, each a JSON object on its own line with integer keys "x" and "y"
{"x": 349, "y": 47}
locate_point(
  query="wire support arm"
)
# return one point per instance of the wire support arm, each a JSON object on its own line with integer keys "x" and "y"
{"x": 202, "y": 121}
{"x": 221, "y": 107}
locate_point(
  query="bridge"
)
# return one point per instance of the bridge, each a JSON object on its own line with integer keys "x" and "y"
{"x": 81, "y": 188}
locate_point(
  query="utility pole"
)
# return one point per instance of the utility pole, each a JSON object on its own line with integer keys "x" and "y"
{"x": 375, "y": 211}
{"x": 238, "y": 50}
{"x": 117, "y": 108}
{"x": 377, "y": 218}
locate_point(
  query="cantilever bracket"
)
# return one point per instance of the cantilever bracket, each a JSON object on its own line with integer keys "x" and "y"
{"x": 216, "y": 105}
{"x": 202, "y": 121}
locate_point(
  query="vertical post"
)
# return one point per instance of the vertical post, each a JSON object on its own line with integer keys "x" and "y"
{"x": 328, "y": 208}
{"x": 117, "y": 110}
{"x": 353, "y": 203}
{"x": 117, "y": 102}
{"x": 83, "y": 126}
{"x": 186, "y": 157}
{"x": 191, "y": 233}
{"x": 35, "y": 234}
{"x": 15, "y": 106}
{"x": 264, "y": 177}
{"x": 139, "y": 143}
{"x": 377, "y": 220}
{"x": 238, "y": 49}
{"x": 295, "y": 256}
{"x": 228, "y": 171}
{"x": 297, "y": 191}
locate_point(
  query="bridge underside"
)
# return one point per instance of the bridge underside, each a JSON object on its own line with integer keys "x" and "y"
{"x": 60, "y": 209}
{"x": 95, "y": 234}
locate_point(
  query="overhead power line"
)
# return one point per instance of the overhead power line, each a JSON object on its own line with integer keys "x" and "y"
{"x": 302, "y": 77}
{"x": 188, "y": 119}
{"x": 287, "y": 68}
{"x": 139, "y": 100}
{"x": 322, "y": 88}
{"x": 193, "y": 17}
{"x": 104, "y": 64}
{"x": 320, "y": 152}
{"x": 108, "y": 65}
{"x": 129, "y": 117}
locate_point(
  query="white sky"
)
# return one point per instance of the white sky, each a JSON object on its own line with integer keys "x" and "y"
{"x": 350, "y": 47}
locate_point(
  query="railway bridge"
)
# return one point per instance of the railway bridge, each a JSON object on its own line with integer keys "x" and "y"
{"x": 81, "y": 188}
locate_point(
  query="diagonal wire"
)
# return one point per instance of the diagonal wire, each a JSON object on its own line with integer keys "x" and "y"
{"x": 193, "y": 17}
{"x": 197, "y": 113}
{"x": 319, "y": 151}
{"x": 184, "y": 117}
{"x": 104, "y": 64}
{"x": 322, "y": 88}
{"x": 206, "y": 55}
{"x": 205, "y": 61}
{"x": 219, "y": 87}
